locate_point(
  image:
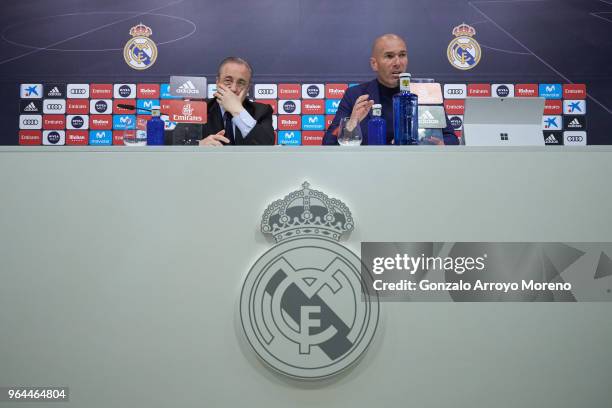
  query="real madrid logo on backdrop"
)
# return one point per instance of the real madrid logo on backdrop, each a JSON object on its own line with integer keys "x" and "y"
{"x": 464, "y": 51}
{"x": 302, "y": 307}
{"x": 140, "y": 52}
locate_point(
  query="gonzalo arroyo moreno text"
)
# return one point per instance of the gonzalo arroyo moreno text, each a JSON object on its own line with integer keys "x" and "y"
{"x": 411, "y": 266}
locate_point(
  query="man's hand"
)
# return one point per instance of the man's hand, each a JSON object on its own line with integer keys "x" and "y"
{"x": 215, "y": 140}
{"x": 361, "y": 108}
{"x": 230, "y": 102}
{"x": 430, "y": 140}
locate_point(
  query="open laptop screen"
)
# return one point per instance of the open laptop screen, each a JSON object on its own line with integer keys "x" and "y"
{"x": 503, "y": 121}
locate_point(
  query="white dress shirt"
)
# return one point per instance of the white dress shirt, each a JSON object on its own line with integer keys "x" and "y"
{"x": 244, "y": 121}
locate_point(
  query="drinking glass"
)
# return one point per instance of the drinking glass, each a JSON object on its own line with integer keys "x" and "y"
{"x": 349, "y": 133}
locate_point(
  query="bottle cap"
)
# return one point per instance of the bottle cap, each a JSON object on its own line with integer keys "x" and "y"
{"x": 377, "y": 109}
{"x": 404, "y": 82}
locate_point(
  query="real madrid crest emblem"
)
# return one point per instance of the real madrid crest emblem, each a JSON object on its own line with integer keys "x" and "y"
{"x": 464, "y": 51}
{"x": 303, "y": 309}
{"x": 140, "y": 52}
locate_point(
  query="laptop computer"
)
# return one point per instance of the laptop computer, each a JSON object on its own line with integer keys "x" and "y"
{"x": 429, "y": 93}
{"x": 503, "y": 122}
{"x": 432, "y": 119}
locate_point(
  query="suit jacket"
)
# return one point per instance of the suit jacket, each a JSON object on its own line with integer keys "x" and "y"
{"x": 261, "y": 134}
{"x": 346, "y": 107}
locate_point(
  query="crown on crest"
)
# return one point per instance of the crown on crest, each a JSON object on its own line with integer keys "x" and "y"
{"x": 464, "y": 30}
{"x": 306, "y": 212}
{"x": 140, "y": 30}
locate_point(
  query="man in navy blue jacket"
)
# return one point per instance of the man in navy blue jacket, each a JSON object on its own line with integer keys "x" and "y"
{"x": 389, "y": 59}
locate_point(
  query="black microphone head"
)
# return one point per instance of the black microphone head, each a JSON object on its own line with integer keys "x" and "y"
{"x": 125, "y": 106}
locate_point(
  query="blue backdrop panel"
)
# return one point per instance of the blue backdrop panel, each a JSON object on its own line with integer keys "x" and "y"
{"x": 67, "y": 41}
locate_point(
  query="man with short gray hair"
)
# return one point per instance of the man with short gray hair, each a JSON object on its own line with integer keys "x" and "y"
{"x": 232, "y": 118}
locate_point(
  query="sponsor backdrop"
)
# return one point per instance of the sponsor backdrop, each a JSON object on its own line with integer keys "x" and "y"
{"x": 65, "y": 68}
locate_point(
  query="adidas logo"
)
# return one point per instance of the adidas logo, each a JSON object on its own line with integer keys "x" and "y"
{"x": 187, "y": 85}
{"x": 30, "y": 108}
{"x": 427, "y": 115}
{"x": 187, "y": 88}
{"x": 551, "y": 140}
{"x": 427, "y": 118}
{"x": 574, "y": 123}
{"x": 54, "y": 92}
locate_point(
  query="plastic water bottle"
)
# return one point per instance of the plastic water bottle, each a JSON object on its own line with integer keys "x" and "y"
{"x": 405, "y": 114}
{"x": 377, "y": 127}
{"x": 155, "y": 128}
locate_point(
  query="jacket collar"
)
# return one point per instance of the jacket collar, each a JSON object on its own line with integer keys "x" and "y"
{"x": 372, "y": 90}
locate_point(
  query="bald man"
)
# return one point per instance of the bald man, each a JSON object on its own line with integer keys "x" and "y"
{"x": 389, "y": 59}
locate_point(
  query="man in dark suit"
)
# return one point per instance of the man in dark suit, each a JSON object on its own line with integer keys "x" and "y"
{"x": 389, "y": 59}
{"x": 232, "y": 118}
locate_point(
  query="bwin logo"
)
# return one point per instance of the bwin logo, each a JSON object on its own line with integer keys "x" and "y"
{"x": 302, "y": 309}
{"x": 289, "y": 106}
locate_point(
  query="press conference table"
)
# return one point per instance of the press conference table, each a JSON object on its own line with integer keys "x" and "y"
{"x": 120, "y": 270}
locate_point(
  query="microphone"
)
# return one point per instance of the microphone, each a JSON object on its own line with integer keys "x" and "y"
{"x": 188, "y": 134}
{"x": 133, "y": 107}
{"x": 128, "y": 107}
